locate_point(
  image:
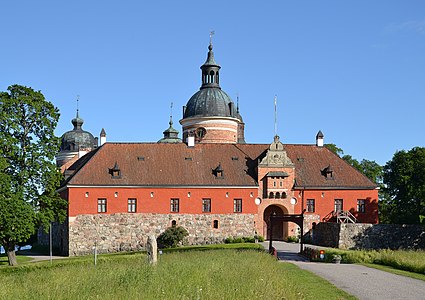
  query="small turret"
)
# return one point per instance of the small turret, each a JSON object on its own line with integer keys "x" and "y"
{"x": 319, "y": 139}
{"x": 102, "y": 137}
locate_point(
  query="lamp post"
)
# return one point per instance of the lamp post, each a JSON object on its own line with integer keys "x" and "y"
{"x": 50, "y": 242}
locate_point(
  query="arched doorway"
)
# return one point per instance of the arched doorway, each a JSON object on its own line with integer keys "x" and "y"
{"x": 279, "y": 230}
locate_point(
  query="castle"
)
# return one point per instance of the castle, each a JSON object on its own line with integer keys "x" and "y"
{"x": 211, "y": 181}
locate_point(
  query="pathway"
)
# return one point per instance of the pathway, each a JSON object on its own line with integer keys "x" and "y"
{"x": 360, "y": 281}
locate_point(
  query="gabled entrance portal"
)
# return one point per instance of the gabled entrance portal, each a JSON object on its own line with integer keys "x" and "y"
{"x": 280, "y": 230}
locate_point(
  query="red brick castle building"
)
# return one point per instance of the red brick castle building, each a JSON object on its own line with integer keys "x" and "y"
{"x": 211, "y": 182}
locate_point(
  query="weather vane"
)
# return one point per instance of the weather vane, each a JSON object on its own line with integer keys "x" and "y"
{"x": 171, "y": 113}
{"x": 275, "y": 115}
{"x": 78, "y": 99}
{"x": 212, "y": 32}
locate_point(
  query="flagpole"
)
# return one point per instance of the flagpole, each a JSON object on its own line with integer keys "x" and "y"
{"x": 275, "y": 115}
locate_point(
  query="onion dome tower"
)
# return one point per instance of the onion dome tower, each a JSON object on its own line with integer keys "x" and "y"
{"x": 171, "y": 135}
{"x": 74, "y": 144}
{"x": 210, "y": 114}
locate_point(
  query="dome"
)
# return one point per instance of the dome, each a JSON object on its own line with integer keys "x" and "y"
{"x": 77, "y": 139}
{"x": 210, "y": 102}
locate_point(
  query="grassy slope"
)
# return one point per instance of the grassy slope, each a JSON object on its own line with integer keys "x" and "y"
{"x": 218, "y": 274}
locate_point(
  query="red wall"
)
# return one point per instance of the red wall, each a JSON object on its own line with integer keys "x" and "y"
{"x": 324, "y": 202}
{"x": 160, "y": 202}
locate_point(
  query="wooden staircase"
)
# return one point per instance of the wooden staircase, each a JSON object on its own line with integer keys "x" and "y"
{"x": 344, "y": 216}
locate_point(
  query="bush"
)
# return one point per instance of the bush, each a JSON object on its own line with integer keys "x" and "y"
{"x": 245, "y": 239}
{"x": 171, "y": 237}
{"x": 292, "y": 239}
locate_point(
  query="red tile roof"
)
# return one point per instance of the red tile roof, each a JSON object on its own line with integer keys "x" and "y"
{"x": 153, "y": 164}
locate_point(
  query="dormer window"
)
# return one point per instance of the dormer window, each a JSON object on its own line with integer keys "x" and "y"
{"x": 218, "y": 171}
{"x": 327, "y": 172}
{"x": 115, "y": 171}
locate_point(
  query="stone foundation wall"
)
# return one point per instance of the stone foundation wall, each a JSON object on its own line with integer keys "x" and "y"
{"x": 129, "y": 232}
{"x": 369, "y": 236}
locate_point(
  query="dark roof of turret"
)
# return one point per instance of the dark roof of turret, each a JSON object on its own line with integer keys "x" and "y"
{"x": 171, "y": 135}
{"x": 211, "y": 100}
{"x": 77, "y": 138}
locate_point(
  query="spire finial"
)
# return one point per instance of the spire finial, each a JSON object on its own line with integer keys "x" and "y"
{"x": 212, "y": 32}
{"x": 275, "y": 115}
{"x": 237, "y": 102}
{"x": 77, "y": 121}
{"x": 78, "y": 99}
{"x": 171, "y": 114}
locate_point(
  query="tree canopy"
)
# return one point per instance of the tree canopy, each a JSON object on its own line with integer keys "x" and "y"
{"x": 404, "y": 179}
{"x": 369, "y": 168}
{"x": 28, "y": 174}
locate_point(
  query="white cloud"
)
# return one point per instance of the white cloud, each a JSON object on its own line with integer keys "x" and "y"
{"x": 417, "y": 26}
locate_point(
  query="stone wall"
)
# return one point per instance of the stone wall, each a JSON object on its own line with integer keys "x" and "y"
{"x": 129, "y": 232}
{"x": 369, "y": 236}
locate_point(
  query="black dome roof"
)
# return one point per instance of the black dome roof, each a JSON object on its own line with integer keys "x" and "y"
{"x": 210, "y": 102}
{"x": 77, "y": 138}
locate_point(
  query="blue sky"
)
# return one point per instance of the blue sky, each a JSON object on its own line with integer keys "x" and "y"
{"x": 353, "y": 69}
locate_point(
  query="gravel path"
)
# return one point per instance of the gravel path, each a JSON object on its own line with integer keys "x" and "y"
{"x": 359, "y": 281}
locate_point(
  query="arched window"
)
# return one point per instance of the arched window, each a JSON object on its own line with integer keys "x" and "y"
{"x": 271, "y": 195}
{"x": 215, "y": 224}
{"x": 173, "y": 223}
{"x": 277, "y": 195}
{"x": 212, "y": 76}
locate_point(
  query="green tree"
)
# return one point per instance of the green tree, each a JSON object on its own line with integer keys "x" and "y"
{"x": 28, "y": 174}
{"x": 404, "y": 178}
{"x": 338, "y": 151}
{"x": 369, "y": 168}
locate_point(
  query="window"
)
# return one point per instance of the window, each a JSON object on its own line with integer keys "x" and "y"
{"x": 131, "y": 205}
{"x": 173, "y": 223}
{"x": 174, "y": 205}
{"x": 237, "y": 205}
{"x": 310, "y": 205}
{"x": 361, "y": 206}
{"x": 338, "y": 205}
{"x": 215, "y": 224}
{"x": 101, "y": 205}
{"x": 206, "y": 205}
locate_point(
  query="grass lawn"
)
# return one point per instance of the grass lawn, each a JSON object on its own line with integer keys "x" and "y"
{"x": 406, "y": 260}
{"x": 217, "y": 274}
{"x": 21, "y": 259}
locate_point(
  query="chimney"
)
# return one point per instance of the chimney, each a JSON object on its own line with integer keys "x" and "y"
{"x": 319, "y": 139}
{"x": 191, "y": 140}
{"x": 102, "y": 137}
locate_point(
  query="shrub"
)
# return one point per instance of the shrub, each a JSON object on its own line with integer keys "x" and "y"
{"x": 171, "y": 237}
{"x": 292, "y": 239}
{"x": 245, "y": 239}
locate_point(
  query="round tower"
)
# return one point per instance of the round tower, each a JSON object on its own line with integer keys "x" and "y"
{"x": 74, "y": 144}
